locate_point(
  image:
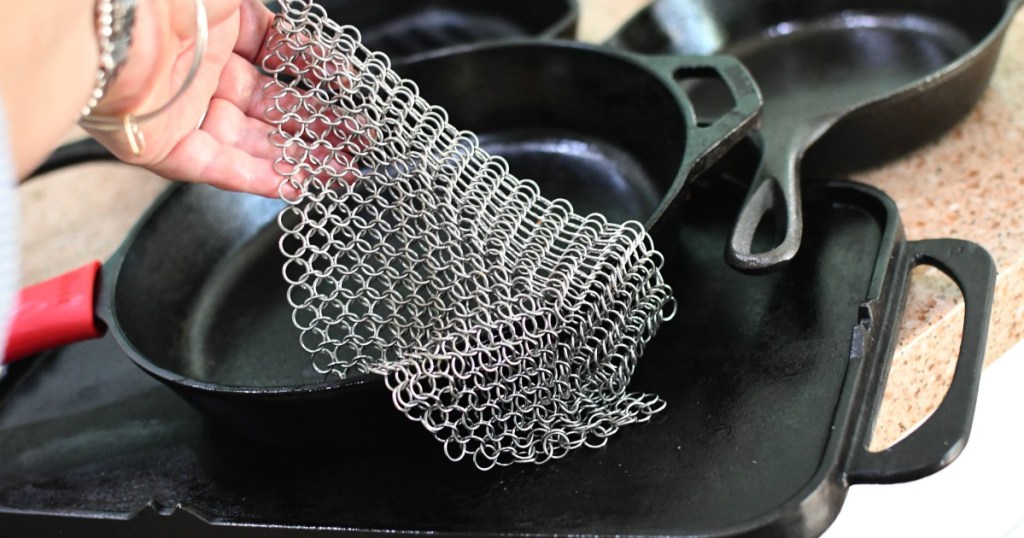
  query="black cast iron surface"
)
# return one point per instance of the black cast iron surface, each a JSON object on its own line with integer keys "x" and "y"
{"x": 405, "y": 28}
{"x": 610, "y": 132}
{"x": 857, "y": 81}
{"x": 893, "y": 73}
{"x": 764, "y": 393}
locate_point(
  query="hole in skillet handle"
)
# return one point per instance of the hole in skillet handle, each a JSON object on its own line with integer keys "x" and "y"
{"x": 942, "y": 437}
{"x": 708, "y": 93}
{"x": 728, "y": 107}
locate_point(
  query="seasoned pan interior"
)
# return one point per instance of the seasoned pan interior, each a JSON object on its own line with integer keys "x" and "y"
{"x": 240, "y": 329}
{"x": 948, "y": 27}
{"x": 401, "y": 28}
{"x": 843, "y": 59}
{"x": 595, "y": 175}
{"x": 813, "y": 59}
{"x": 823, "y": 56}
{"x": 596, "y": 129}
{"x": 424, "y": 28}
{"x": 200, "y": 292}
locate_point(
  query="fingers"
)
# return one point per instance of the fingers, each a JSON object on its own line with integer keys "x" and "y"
{"x": 298, "y": 112}
{"x": 239, "y": 142}
{"x": 199, "y": 157}
{"x": 231, "y": 127}
{"x": 241, "y": 84}
{"x": 257, "y": 39}
{"x": 260, "y": 44}
{"x": 255, "y": 25}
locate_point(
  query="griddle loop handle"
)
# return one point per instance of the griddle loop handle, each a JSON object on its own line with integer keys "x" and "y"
{"x": 54, "y": 313}
{"x": 937, "y": 442}
{"x": 708, "y": 142}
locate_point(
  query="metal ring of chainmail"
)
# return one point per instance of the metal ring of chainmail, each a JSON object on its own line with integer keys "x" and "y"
{"x": 505, "y": 323}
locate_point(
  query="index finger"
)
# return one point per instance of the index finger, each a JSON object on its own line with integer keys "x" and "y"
{"x": 255, "y": 24}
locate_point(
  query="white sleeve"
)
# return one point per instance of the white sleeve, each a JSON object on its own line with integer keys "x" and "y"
{"x": 9, "y": 268}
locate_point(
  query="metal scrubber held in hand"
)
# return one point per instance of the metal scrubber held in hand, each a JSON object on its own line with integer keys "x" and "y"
{"x": 505, "y": 323}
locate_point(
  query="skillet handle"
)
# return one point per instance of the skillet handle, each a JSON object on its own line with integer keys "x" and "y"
{"x": 709, "y": 142}
{"x": 705, "y": 144}
{"x": 53, "y": 313}
{"x": 937, "y": 442}
{"x": 61, "y": 310}
{"x": 776, "y": 192}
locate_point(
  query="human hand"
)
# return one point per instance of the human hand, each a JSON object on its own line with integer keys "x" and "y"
{"x": 230, "y": 148}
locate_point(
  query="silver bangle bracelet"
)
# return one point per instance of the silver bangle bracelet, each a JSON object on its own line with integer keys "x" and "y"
{"x": 130, "y": 123}
{"x": 115, "y": 20}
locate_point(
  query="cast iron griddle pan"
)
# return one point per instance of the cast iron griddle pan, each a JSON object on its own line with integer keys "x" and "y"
{"x": 195, "y": 294}
{"x": 772, "y": 383}
{"x": 867, "y": 80}
{"x": 405, "y": 28}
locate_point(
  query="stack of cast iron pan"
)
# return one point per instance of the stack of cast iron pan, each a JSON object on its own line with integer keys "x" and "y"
{"x": 772, "y": 380}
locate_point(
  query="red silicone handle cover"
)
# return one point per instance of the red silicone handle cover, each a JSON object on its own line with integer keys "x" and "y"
{"x": 53, "y": 313}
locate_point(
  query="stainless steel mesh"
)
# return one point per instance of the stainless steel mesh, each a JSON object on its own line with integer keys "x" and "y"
{"x": 506, "y": 324}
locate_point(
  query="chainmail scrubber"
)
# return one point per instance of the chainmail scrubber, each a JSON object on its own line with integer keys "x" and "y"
{"x": 505, "y": 323}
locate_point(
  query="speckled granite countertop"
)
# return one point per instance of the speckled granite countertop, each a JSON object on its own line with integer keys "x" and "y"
{"x": 969, "y": 185}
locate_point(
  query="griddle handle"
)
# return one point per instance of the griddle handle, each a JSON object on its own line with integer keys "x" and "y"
{"x": 705, "y": 144}
{"x": 937, "y": 442}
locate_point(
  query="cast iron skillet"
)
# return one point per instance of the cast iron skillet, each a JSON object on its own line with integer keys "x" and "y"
{"x": 405, "y": 28}
{"x": 880, "y": 77}
{"x": 195, "y": 294}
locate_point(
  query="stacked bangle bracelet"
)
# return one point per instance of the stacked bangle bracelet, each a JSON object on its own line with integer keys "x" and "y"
{"x": 114, "y": 24}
